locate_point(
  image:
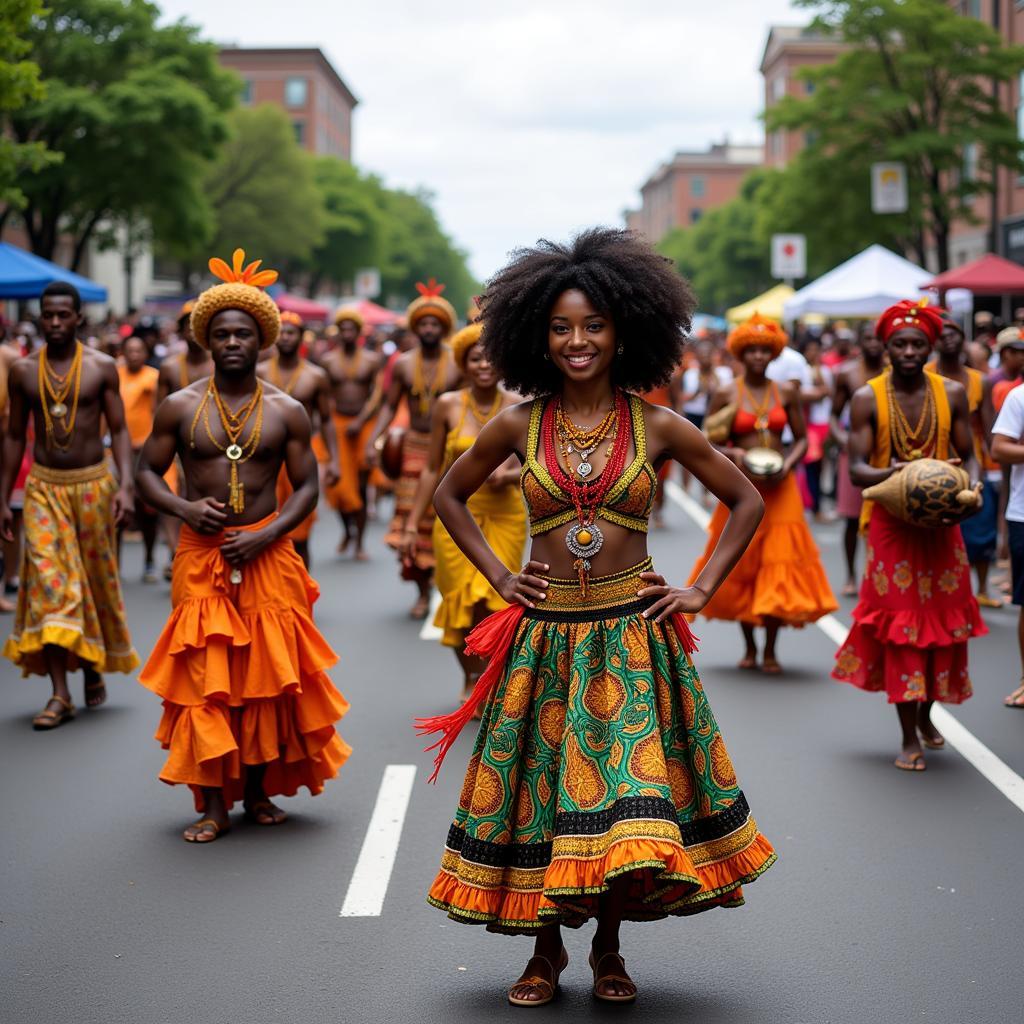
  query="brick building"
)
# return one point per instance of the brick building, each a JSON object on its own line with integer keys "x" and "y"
{"x": 305, "y": 85}
{"x": 788, "y": 49}
{"x": 681, "y": 191}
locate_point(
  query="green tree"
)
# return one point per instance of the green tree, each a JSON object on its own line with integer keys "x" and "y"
{"x": 726, "y": 254}
{"x": 19, "y": 85}
{"x": 353, "y": 223}
{"x": 918, "y": 83}
{"x": 136, "y": 109}
{"x": 262, "y": 195}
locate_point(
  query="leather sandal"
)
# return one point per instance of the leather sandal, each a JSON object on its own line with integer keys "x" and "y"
{"x": 206, "y": 824}
{"x": 601, "y": 979}
{"x": 546, "y": 988}
{"x": 50, "y": 718}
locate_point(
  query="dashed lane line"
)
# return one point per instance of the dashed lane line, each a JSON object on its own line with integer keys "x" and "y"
{"x": 369, "y": 884}
{"x": 957, "y": 735}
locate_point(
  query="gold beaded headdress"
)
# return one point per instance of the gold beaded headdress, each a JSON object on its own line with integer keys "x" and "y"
{"x": 431, "y": 303}
{"x": 242, "y": 290}
{"x": 349, "y": 313}
{"x": 464, "y": 340}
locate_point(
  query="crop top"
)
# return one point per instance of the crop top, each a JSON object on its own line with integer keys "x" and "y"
{"x": 628, "y": 502}
{"x": 745, "y": 422}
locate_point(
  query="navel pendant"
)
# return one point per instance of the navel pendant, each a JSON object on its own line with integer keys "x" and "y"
{"x": 584, "y": 541}
{"x": 58, "y": 410}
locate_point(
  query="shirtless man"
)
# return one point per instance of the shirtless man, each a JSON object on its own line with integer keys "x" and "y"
{"x": 249, "y": 715}
{"x": 70, "y": 612}
{"x": 353, "y": 374}
{"x": 849, "y": 378}
{"x": 418, "y": 376}
{"x": 9, "y": 355}
{"x": 311, "y": 388}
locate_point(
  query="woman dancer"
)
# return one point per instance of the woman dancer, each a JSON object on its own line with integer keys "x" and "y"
{"x": 599, "y": 786}
{"x": 780, "y": 580}
{"x": 497, "y": 508}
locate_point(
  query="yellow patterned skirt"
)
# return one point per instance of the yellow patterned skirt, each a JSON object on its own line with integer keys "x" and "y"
{"x": 70, "y": 593}
{"x": 598, "y": 758}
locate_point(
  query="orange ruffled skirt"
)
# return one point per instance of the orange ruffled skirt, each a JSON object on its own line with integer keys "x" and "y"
{"x": 284, "y": 492}
{"x": 241, "y": 670}
{"x": 780, "y": 574}
{"x": 345, "y": 495}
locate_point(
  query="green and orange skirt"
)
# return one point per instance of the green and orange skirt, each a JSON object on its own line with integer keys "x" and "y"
{"x": 598, "y": 757}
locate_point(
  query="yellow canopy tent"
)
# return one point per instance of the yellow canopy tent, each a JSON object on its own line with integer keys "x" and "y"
{"x": 768, "y": 304}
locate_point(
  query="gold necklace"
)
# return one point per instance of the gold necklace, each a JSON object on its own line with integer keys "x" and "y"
{"x": 55, "y": 388}
{"x": 236, "y": 450}
{"x": 419, "y": 389}
{"x": 275, "y": 375}
{"x": 350, "y": 365}
{"x": 573, "y": 438}
{"x": 483, "y": 418}
{"x": 912, "y": 442}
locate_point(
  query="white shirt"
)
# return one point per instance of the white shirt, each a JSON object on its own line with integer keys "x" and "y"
{"x": 1010, "y": 423}
{"x": 790, "y": 365}
{"x": 698, "y": 405}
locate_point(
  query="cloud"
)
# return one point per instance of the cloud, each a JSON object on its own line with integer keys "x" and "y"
{"x": 525, "y": 121}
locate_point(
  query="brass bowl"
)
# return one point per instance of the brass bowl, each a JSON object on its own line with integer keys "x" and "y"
{"x": 763, "y": 461}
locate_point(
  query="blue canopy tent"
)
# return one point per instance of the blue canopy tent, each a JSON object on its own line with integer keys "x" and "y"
{"x": 23, "y": 275}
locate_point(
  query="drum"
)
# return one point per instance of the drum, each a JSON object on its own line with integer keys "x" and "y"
{"x": 927, "y": 492}
{"x": 763, "y": 461}
{"x": 391, "y": 453}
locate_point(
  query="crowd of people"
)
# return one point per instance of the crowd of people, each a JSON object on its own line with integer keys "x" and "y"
{"x": 599, "y": 785}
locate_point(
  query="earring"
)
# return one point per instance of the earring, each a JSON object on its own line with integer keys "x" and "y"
{"x": 619, "y": 350}
{"x": 547, "y": 357}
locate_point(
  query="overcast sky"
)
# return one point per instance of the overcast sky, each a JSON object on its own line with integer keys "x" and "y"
{"x": 530, "y": 119}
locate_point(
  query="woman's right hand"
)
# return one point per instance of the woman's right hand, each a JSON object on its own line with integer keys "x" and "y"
{"x": 524, "y": 587}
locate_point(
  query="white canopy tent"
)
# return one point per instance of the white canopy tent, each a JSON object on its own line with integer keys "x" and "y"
{"x": 864, "y": 286}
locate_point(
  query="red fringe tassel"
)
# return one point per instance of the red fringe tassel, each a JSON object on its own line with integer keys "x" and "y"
{"x": 491, "y": 639}
{"x": 686, "y": 637}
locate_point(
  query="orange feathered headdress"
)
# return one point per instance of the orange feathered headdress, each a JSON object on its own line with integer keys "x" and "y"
{"x": 243, "y": 290}
{"x": 464, "y": 340}
{"x": 758, "y": 330}
{"x": 431, "y": 303}
{"x": 915, "y": 313}
{"x": 288, "y": 317}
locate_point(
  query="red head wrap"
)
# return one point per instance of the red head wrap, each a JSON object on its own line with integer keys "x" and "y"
{"x": 911, "y": 313}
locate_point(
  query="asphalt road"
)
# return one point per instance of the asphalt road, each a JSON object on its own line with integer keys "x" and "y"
{"x": 896, "y": 897}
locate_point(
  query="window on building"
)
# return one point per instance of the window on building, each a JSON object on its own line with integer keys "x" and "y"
{"x": 247, "y": 91}
{"x": 299, "y": 127}
{"x": 970, "y": 8}
{"x": 810, "y": 138}
{"x": 695, "y": 215}
{"x": 809, "y": 87}
{"x": 295, "y": 91}
{"x": 971, "y": 157}
{"x": 698, "y": 186}
{"x": 778, "y": 87}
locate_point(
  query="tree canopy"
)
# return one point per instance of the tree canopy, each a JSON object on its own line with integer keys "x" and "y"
{"x": 915, "y": 84}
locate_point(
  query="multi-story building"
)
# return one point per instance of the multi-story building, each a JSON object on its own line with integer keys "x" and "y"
{"x": 681, "y": 191}
{"x": 788, "y": 49}
{"x": 305, "y": 85}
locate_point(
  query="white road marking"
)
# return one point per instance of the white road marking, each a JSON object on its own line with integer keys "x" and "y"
{"x": 957, "y": 735}
{"x": 429, "y": 631}
{"x": 369, "y": 885}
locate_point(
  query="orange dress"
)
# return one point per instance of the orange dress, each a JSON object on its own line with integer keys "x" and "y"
{"x": 138, "y": 392}
{"x": 241, "y": 671}
{"x": 780, "y": 575}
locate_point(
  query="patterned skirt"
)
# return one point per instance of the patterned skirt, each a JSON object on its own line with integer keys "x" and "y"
{"x": 598, "y": 757}
{"x": 415, "y": 454}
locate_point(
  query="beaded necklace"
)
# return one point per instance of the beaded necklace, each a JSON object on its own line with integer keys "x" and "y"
{"x": 483, "y": 418}
{"x": 912, "y": 443}
{"x": 54, "y": 388}
{"x": 426, "y": 395}
{"x": 584, "y": 538}
{"x": 278, "y": 381}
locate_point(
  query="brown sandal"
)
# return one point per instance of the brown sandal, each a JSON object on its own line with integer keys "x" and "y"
{"x": 601, "y": 979}
{"x": 49, "y": 718}
{"x": 547, "y": 989}
{"x": 914, "y": 763}
{"x": 206, "y": 824}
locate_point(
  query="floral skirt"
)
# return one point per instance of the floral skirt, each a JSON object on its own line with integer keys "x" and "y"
{"x": 598, "y": 757}
{"x": 915, "y": 615}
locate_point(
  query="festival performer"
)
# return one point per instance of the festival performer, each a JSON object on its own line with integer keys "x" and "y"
{"x": 70, "y": 613}
{"x": 419, "y": 376}
{"x": 138, "y": 384}
{"x": 353, "y": 373}
{"x": 249, "y": 712}
{"x": 916, "y": 610}
{"x": 780, "y": 580}
{"x": 497, "y": 508}
{"x": 849, "y": 377}
{"x": 599, "y": 785}
{"x": 310, "y": 386}
{"x": 9, "y": 355}
{"x": 980, "y": 531}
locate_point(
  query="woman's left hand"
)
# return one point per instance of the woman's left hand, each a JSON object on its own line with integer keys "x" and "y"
{"x": 671, "y": 600}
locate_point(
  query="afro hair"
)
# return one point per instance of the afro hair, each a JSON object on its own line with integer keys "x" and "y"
{"x": 650, "y": 305}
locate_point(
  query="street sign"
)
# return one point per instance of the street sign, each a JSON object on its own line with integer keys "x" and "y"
{"x": 889, "y": 188}
{"x": 367, "y": 284}
{"x": 789, "y": 257}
